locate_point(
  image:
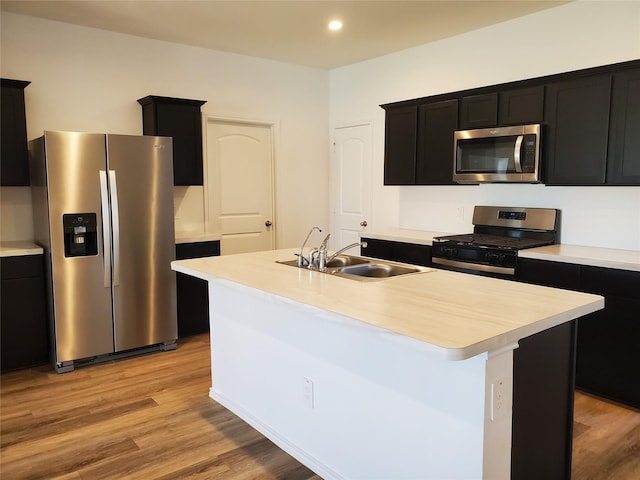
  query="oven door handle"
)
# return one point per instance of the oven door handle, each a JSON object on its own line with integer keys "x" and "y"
{"x": 516, "y": 153}
{"x": 473, "y": 266}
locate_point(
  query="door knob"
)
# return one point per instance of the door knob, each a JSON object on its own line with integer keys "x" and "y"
{"x": 268, "y": 223}
{"x": 363, "y": 223}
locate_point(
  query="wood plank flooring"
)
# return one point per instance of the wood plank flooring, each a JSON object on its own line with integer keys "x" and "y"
{"x": 150, "y": 417}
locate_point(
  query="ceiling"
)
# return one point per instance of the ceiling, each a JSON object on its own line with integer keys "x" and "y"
{"x": 293, "y": 31}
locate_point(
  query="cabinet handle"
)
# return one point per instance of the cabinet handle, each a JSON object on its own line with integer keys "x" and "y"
{"x": 268, "y": 223}
{"x": 363, "y": 223}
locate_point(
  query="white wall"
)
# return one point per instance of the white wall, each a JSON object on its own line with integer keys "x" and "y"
{"x": 85, "y": 79}
{"x": 578, "y": 35}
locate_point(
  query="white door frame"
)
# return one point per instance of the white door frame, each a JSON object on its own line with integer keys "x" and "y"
{"x": 333, "y": 180}
{"x": 211, "y": 224}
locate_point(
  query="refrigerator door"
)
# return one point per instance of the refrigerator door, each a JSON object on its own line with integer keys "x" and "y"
{"x": 82, "y": 307}
{"x": 141, "y": 186}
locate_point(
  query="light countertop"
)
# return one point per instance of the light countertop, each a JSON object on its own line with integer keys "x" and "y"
{"x": 418, "y": 237}
{"x": 592, "y": 256}
{"x": 195, "y": 237}
{"x": 19, "y": 248}
{"x": 582, "y": 255}
{"x": 457, "y": 314}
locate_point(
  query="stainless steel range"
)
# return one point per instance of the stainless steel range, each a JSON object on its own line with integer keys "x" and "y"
{"x": 498, "y": 234}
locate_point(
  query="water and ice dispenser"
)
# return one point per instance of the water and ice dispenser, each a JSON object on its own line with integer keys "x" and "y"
{"x": 80, "y": 234}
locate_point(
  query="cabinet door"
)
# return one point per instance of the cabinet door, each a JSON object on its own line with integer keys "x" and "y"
{"x": 400, "y": 145}
{"x": 193, "y": 293}
{"x": 25, "y": 331}
{"x": 183, "y": 123}
{"x": 377, "y": 249}
{"x": 578, "y": 131}
{"x": 436, "y": 124}
{"x": 14, "y": 155}
{"x": 180, "y": 119}
{"x": 522, "y": 106}
{"x": 479, "y": 111}
{"x": 624, "y": 144}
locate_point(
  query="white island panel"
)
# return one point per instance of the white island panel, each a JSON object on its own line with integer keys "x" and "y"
{"x": 379, "y": 406}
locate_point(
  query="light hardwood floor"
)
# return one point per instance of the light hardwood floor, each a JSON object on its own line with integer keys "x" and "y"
{"x": 150, "y": 417}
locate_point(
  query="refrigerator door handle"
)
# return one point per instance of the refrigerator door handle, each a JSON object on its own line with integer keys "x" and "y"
{"x": 115, "y": 222}
{"x": 106, "y": 229}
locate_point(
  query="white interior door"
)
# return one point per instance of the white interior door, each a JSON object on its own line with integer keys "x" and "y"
{"x": 351, "y": 183}
{"x": 240, "y": 185}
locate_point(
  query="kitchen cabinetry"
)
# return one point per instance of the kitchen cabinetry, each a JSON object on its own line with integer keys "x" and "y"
{"x": 181, "y": 119}
{"x": 400, "y": 147}
{"x": 14, "y": 156}
{"x": 577, "y": 131}
{"x": 25, "y": 334}
{"x": 436, "y": 123}
{"x": 192, "y": 293}
{"x": 624, "y": 139}
{"x": 397, "y": 251}
{"x": 589, "y": 122}
{"x": 607, "y": 362}
{"x": 479, "y": 111}
{"x": 521, "y": 106}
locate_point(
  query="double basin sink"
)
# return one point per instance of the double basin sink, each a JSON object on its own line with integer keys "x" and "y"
{"x": 364, "y": 269}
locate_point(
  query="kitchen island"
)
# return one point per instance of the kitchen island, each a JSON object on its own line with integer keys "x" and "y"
{"x": 405, "y": 377}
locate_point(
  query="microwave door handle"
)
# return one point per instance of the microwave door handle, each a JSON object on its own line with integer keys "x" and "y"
{"x": 516, "y": 153}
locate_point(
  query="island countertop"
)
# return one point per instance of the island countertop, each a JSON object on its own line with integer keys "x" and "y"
{"x": 458, "y": 315}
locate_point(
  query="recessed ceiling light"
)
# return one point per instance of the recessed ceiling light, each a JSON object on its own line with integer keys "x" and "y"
{"x": 335, "y": 25}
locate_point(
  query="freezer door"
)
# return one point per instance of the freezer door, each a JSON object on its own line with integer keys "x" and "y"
{"x": 82, "y": 319}
{"x": 144, "y": 294}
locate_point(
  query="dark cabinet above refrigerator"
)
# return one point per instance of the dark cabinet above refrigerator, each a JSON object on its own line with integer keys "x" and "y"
{"x": 180, "y": 119}
{"x": 14, "y": 155}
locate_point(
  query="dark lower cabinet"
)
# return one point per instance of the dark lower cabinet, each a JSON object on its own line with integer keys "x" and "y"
{"x": 608, "y": 361}
{"x": 25, "y": 332}
{"x": 192, "y": 293}
{"x": 608, "y": 345}
{"x": 543, "y": 386}
{"x": 411, "y": 253}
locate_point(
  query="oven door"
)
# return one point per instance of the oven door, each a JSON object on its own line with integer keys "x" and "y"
{"x": 506, "y": 154}
{"x": 477, "y": 260}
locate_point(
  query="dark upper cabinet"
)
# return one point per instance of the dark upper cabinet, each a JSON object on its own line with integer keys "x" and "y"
{"x": 590, "y": 122}
{"x": 401, "y": 127}
{"x": 577, "y": 131}
{"x": 436, "y": 123}
{"x": 624, "y": 138}
{"x": 14, "y": 169}
{"x": 502, "y": 107}
{"x": 479, "y": 111}
{"x": 181, "y": 119}
{"x": 521, "y": 106}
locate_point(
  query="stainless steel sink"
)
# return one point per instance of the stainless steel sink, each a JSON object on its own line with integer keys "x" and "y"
{"x": 378, "y": 270}
{"x": 364, "y": 269}
{"x": 338, "y": 262}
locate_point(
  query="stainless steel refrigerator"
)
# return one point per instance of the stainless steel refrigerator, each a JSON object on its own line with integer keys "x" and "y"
{"x": 103, "y": 211}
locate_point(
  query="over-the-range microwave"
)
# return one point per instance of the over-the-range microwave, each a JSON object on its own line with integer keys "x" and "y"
{"x": 493, "y": 155}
